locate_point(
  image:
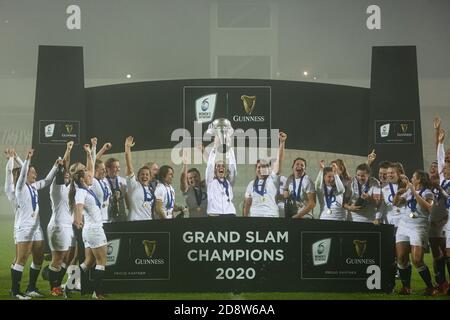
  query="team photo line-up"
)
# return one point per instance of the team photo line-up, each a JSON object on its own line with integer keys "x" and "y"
{"x": 84, "y": 196}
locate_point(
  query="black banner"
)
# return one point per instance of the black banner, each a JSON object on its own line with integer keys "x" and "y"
{"x": 59, "y": 131}
{"x": 249, "y": 255}
{"x": 395, "y": 132}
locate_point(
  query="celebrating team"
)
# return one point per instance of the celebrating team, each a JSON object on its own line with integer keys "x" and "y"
{"x": 83, "y": 197}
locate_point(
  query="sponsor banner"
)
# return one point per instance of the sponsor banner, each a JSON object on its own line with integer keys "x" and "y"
{"x": 395, "y": 132}
{"x": 139, "y": 256}
{"x": 339, "y": 255}
{"x": 248, "y": 254}
{"x": 245, "y": 107}
{"x": 59, "y": 131}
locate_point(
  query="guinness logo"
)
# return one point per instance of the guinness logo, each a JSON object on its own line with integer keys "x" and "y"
{"x": 249, "y": 103}
{"x": 404, "y": 127}
{"x": 360, "y": 247}
{"x": 150, "y": 247}
{"x": 69, "y": 128}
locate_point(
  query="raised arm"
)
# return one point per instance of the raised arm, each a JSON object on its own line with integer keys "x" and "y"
{"x": 17, "y": 158}
{"x": 48, "y": 179}
{"x": 89, "y": 160}
{"x": 94, "y": 149}
{"x": 66, "y": 158}
{"x": 437, "y": 129}
{"x": 129, "y": 142}
{"x": 106, "y": 147}
{"x": 209, "y": 174}
{"x": 183, "y": 178}
{"x": 319, "y": 179}
{"x": 371, "y": 157}
{"x": 9, "y": 179}
{"x": 24, "y": 171}
{"x": 280, "y": 157}
{"x": 441, "y": 153}
{"x": 340, "y": 188}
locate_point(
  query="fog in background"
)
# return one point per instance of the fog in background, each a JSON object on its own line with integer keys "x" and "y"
{"x": 186, "y": 39}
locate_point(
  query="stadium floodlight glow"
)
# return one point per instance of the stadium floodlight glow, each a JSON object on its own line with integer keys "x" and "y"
{"x": 128, "y": 76}
{"x": 305, "y": 73}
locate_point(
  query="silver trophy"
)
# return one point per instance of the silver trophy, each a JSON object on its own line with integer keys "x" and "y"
{"x": 222, "y": 129}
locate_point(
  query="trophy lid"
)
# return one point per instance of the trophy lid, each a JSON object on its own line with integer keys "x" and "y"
{"x": 221, "y": 123}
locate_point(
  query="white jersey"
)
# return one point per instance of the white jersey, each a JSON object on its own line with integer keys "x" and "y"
{"x": 59, "y": 198}
{"x": 27, "y": 197}
{"x": 220, "y": 192}
{"x": 141, "y": 200}
{"x": 391, "y": 213}
{"x": 369, "y": 213}
{"x": 419, "y": 218}
{"x": 102, "y": 190}
{"x": 192, "y": 196}
{"x": 299, "y": 188}
{"x": 166, "y": 194}
{"x": 91, "y": 209}
{"x": 331, "y": 210}
{"x": 263, "y": 195}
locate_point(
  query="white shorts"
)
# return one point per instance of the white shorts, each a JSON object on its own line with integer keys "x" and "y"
{"x": 60, "y": 238}
{"x": 28, "y": 234}
{"x": 94, "y": 237}
{"x": 417, "y": 236}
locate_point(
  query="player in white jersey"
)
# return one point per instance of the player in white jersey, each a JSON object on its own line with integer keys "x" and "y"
{"x": 118, "y": 185}
{"x": 364, "y": 196}
{"x": 59, "y": 230}
{"x": 220, "y": 177}
{"x": 330, "y": 193}
{"x": 88, "y": 216}
{"x": 100, "y": 184}
{"x": 154, "y": 168}
{"x": 29, "y": 235}
{"x": 164, "y": 194}
{"x": 261, "y": 193}
{"x": 11, "y": 176}
{"x": 193, "y": 190}
{"x": 299, "y": 192}
{"x": 412, "y": 232}
{"x": 391, "y": 213}
{"x": 444, "y": 188}
{"x": 140, "y": 193}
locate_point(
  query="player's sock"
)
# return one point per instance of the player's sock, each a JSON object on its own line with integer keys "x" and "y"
{"x": 99, "y": 273}
{"x": 426, "y": 275}
{"x": 439, "y": 269}
{"x": 34, "y": 273}
{"x": 53, "y": 274}
{"x": 405, "y": 275}
{"x": 16, "y": 277}
{"x": 61, "y": 274}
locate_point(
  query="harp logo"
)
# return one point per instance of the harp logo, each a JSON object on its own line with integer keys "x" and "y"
{"x": 204, "y": 108}
{"x": 112, "y": 252}
{"x": 360, "y": 247}
{"x": 149, "y": 247}
{"x": 321, "y": 252}
{"x": 249, "y": 103}
{"x": 404, "y": 127}
{"x": 384, "y": 130}
{"x": 49, "y": 130}
{"x": 69, "y": 128}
